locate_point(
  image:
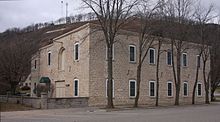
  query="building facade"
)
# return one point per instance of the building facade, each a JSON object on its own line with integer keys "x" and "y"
{"x": 76, "y": 65}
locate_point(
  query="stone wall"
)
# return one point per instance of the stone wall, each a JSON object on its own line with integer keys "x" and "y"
{"x": 28, "y": 101}
{"x": 67, "y": 102}
{"x": 124, "y": 70}
{"x": 72, "y": 69}
{"x": 46, "y": 103}
{"x": 91, "y": 69}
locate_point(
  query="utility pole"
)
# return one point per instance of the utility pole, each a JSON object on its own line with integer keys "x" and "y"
{"x": 66, "y": 13}
{"x": 61, "y": 9}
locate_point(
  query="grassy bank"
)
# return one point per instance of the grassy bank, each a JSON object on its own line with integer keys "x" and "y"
{"x": 13, "y": 107}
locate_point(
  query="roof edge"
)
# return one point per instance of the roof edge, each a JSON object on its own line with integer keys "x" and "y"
{"x": 72, "y": 31}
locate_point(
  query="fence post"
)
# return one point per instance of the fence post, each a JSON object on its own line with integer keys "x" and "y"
{"x": 44, "y": 97}
{"x": 7, "y": 96}
{"x": 22, "y": 97}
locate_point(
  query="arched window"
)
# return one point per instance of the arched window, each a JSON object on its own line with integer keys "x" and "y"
{"x": 61, "y": 59}
{"x": 76, "y": 51}
{"x": 49, "y": 58}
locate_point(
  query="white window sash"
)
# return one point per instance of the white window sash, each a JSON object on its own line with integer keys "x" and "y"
{"x": 150, "y": 88}
{"x": 170, "y": 82}
{"x": 130, "y": 53}
{"x": 130, "y": 88}
{"x": 154, "y": 53}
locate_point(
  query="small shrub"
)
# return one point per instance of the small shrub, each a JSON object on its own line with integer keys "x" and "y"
{"x": 24, "y": 88}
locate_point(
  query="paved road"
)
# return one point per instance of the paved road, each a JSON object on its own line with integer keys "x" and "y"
{"x": 197, "y": 113}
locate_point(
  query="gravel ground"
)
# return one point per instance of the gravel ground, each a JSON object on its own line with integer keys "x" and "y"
{"x": 196, "y": 113}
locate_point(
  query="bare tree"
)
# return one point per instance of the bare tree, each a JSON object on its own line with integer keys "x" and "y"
{"x": 178, "y": 16}
{"x": 206, "y": 74}
{"x": 15, "y": 63}
{"x": 145, "y": 15}
{"x": 159, "y": 51}
{"x": 202, "y": 16}
{"x": 160, "y": 33}
{"x": 111, "y": 15}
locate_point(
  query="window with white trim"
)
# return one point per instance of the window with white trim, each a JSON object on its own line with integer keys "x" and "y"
{"x": 198, "y": 61}
{"x": 132, "y": 88}
{"x": 184, "y": 59}
{"x": 132, "y": 53}
{"x": 152, "y": 56}
{"x": 49, "y": 58}
{"x": 76, "y": 87}
{"x": 199, "y": 89}
{"x": 113, "y": 88}
{"x": 169, "y": 88}
{"x": 152, "y": 88}
{"x": 169, "y": 57}
{"x": 185, "y": 88}
{"x": 76, "y": 51}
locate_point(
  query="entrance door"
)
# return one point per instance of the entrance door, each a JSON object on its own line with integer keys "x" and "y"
{"x": 60, "y": 89}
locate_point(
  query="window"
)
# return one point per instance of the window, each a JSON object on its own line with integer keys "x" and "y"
{"x": 76, "y": 87}
{"x": 132, "y": 53}
{"x": 169, "y": 57}
{"x": 61, "y": 59}
{"x": 152, "y": 88}
{"x": 35, "y": 64}
{"x": 113, "y": 52}
{"x": 49, "y": 58}
{"x": 199, "y": 89}
{"x": 76, "y": 52}
{"x": 132, "y": 88}
{"x": 184, "y": 59}
{"x": 169, "y": 89}
{"x": 106, "y": 88}
{"x": 185, "y": 89}
{"x": 198, "y": 61}
{"x": 152, "y": 56}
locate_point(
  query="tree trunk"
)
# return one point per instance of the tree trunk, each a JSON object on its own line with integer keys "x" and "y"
{"x": 178, "y": 62}
{"x": 207, "y": 96}
{"x": 13, "y": 88}
{"x": 206, "y": 83}
{"x": 176, "y": 77}
{"x": 138, "y": 85}
{"x": 212, "y": 95}
{"x": 138, "y": 75}
{"x": 157, "y": 74}
{"x": 194, "y": 93}
{"x": 110, "y": 78}
{"x": 195, "y": 84}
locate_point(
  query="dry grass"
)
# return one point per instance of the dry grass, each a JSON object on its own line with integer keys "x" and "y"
{"x": 13, "y": 107}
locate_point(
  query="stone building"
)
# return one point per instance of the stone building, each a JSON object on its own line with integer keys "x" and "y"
{"x": 75, "y": 62}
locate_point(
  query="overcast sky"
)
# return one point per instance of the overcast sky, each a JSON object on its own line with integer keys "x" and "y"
{"x": 21, "y": 13}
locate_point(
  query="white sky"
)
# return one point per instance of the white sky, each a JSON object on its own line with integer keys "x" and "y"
{"x": 21, "y": 13}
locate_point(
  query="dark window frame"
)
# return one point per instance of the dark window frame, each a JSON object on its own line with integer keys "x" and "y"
{"x": 132, "y": 55}
{"x": 132, "y": 91}
{"x": 152, "y": 90}
{"x": 170, "y": 89}
{"x": 152, "y": 56}
{"x": 76, "y": 87}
